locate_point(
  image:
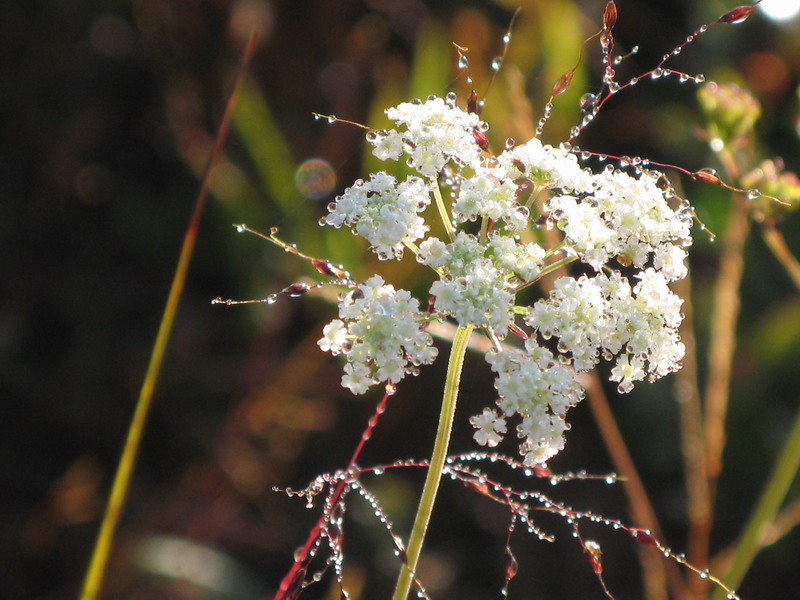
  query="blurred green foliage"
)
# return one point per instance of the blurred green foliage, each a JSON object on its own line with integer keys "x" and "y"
{"x": 108, "y": 112}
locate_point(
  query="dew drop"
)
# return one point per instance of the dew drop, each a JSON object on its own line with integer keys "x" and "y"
{"x": 633, "y": 81}
{"x": 463, "y": 62}
{"x": 332, "y": 119}
{"x": 716, "y": 144}
{"x": 506, "y": 38}
{"x": 753, "y": 194}
{"x": 510, "y": 143}
{"x": 497, "y": 63}
{"x": 588, "y": 101}
{"x": 451, "y": 97}
{"x": 657, "y": 73}
{"x": 699, "y": 78}
{"x": 613, "y": 87}
{"x": 272, "y": 298}
{"x": 241, "y": 228}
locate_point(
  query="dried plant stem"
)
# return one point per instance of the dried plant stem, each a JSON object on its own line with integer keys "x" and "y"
{"x": 692, "y": 439}
{"x": 641, "y": 510}
{"x": 774, "y": 239}
{"x": 721, "y": 350}
{"x": 409, "y": 568}
{"x": 122, "y": 478}
{"x": 723, "y": 331}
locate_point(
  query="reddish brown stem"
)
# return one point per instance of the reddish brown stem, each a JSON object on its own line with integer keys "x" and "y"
{"x": 300, "y": 556}
{"x": 641, "y": 510}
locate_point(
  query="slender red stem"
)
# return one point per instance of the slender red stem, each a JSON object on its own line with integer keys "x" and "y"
{"x": 300, "y": 557}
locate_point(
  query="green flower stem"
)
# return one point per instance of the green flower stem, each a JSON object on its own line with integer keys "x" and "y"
{"x": 445, "y": 216}
{"x": 765, "y": 511}
{"x": 552, "y": 267}
{"x": 407, "y": 571}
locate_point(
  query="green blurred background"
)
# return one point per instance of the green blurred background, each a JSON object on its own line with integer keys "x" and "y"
{"x": 108, "y": 113}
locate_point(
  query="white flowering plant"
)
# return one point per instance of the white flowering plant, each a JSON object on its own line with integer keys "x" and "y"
{"x": 550, "y": 260}
{"x": 558, "y": 265}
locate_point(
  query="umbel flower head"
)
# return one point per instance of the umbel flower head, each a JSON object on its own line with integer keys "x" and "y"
{"x": 623, "y": 225}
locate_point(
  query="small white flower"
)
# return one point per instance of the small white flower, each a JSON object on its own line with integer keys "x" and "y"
{"x": 490, "y": 428}
{"x": 334, "y": 337}
{"x": 388, "y": 145}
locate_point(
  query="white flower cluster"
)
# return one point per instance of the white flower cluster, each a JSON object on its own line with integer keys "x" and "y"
{"x": 436, "y": 132}
{"x": 538, "y": 389}
{"x": 606, "y": 215}
{"x": 479, "y": 279}
{"x": 379, "y": 332}
{"x": 383, "y": 212}
{"x": 610, "y": 220}
{"x": 603, "y": 316}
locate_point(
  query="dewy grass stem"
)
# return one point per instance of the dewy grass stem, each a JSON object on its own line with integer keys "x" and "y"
{"x": 408, "y": 570}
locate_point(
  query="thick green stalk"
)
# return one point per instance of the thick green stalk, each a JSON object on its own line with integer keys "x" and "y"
{"x": 438, "y": 457}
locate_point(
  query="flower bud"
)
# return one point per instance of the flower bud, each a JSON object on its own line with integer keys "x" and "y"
{"x": 731, "y": 111}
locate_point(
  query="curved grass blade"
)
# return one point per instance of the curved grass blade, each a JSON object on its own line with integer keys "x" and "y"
{"x": 122, "y": 478}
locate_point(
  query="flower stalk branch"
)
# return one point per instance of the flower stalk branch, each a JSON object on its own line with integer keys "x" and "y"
{"x": 429, "y": 491}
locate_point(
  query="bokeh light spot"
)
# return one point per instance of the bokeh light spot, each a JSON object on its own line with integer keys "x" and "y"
{"x": 780, "y": 10}
{"x": 315, "y": 179}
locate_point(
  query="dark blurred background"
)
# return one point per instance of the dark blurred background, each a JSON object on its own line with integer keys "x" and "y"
{"x": 108, "y": 111}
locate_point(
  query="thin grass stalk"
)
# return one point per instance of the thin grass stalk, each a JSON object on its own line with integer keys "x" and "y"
{"x": 753, "y": 538}
{"x": 409, "y": 568}
{"x": 119, "y": 490}
{"x": 775, "y": 241}
{"x": 765, "y": 512}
